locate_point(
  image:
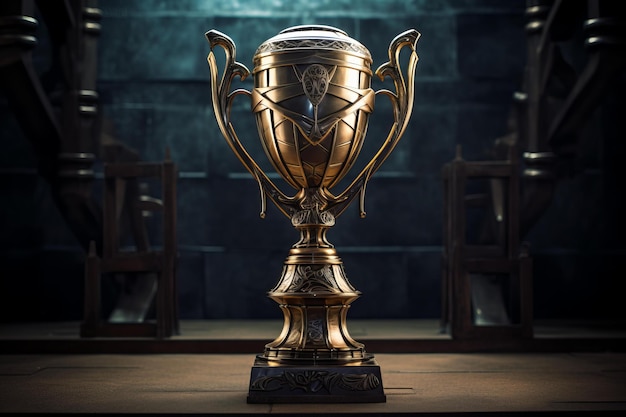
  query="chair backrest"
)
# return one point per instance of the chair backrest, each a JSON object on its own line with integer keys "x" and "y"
{"x": 123, "y": 196}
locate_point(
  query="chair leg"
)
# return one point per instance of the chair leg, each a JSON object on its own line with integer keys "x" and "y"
{"x": 91, "y": 319}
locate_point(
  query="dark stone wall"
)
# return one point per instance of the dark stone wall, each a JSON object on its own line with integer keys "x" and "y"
{"x": 155, "y": 91}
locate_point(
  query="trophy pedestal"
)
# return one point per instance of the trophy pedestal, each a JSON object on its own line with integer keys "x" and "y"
{"x": 321, "y": 382}
{"x": 314, "y": 359}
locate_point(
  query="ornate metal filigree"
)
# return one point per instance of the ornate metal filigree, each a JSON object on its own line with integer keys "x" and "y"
{"x": 314, "y": 278}
{"x": 315, "y": 216}
{"x": 311, "y": 44}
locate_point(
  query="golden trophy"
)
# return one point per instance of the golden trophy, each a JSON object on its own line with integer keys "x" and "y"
{"x": 312, "y": 99}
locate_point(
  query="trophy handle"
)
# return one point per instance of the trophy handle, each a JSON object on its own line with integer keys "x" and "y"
{"x": 402, "y": 102}
{"x": 222, "y": 102}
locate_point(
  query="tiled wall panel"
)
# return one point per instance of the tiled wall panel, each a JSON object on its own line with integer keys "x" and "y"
{"x": 155, "y": 95}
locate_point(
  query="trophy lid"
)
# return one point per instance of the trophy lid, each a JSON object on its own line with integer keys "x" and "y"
{"x": 312, "y": 38}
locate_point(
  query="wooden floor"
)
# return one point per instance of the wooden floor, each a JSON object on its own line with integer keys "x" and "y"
{"x": 46, "y": 368}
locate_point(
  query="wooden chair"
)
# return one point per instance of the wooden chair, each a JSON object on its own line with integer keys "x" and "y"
{"x": 486, "y": 283}
{"x": 119, "y": 178}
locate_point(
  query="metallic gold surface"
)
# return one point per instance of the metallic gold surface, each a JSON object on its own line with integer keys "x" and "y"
{"x": 312, "y": 99}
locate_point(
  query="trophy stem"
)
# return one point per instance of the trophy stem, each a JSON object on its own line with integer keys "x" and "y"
{"x": 314, "y": 295}
{"x": 314, "y": 359}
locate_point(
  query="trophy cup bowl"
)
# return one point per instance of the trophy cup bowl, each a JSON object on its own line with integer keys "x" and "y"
{"x": 312, "y": 99}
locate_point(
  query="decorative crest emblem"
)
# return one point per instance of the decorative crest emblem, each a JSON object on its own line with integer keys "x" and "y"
{"x": 315, "y": 82}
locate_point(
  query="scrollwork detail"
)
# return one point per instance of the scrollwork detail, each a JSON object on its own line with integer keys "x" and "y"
{"x": 286, "y": 45}
{"x": 308, "y": 216}
{"x": 311, "y": 279}
{"x": 316, "y": 381}
{"x": 315, "y": 331}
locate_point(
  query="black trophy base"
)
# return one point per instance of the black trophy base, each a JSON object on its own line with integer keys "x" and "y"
{"x": 323, "y": 382}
